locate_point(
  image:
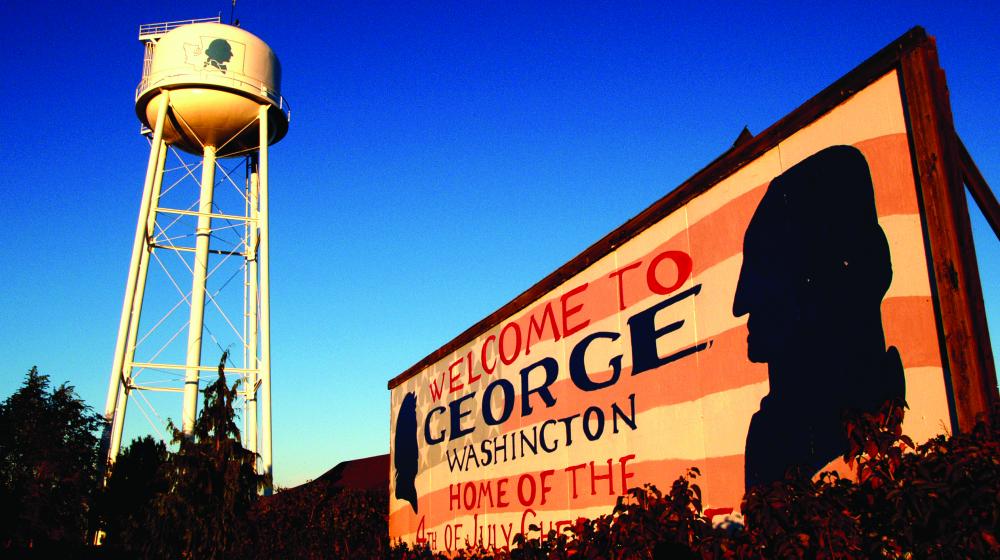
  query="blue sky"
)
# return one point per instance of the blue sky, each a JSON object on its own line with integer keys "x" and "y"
{"x": 442, "y": 158}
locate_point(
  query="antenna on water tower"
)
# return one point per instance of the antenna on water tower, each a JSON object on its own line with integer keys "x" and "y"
{"x": 211, "y": 90}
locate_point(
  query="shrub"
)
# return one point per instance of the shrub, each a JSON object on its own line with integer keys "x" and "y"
{"x": 940, "y": 499}
{"x": 319, "y": 520}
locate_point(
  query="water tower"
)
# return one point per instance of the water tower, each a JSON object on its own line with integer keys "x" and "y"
{"x": 209, "y": 102}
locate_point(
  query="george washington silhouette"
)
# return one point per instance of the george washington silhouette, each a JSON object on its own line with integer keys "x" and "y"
{"x": 405, "y": 451}
{"x": 218, "y": 54}
{"x": 815, "y": 269}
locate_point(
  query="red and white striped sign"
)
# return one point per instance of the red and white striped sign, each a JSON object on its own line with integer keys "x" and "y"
{"x": 638, "y": 367}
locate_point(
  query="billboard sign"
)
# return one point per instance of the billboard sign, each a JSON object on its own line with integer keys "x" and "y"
{"x": 727, "y": 327}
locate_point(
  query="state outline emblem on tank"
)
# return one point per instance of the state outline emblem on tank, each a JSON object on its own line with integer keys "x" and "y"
{"x": 219, "y": 54}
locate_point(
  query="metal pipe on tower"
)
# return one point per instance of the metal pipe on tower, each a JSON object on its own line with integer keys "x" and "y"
{"x": 265, "y": 300}
{"x": 199, "y": 276}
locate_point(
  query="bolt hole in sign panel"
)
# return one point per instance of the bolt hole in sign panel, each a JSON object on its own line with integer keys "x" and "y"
{"x": 727, "y": 327}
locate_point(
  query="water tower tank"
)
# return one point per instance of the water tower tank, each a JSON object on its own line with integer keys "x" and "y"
{"x": 218, "y": 76}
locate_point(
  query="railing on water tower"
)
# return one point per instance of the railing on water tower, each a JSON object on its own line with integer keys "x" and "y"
{"x": 152, "y": 31}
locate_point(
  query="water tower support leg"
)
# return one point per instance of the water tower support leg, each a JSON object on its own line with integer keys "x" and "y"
{"x": 115, "y": 383}
{"x": 117, "y": 425}
{"x": 253, "y": 297}
{"x": 199, "y": 276}
{"x": 140, "y": 289}
{"x": 265, "y": 306}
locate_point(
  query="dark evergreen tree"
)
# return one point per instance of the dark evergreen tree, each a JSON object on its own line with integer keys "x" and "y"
{"x": 211, "y": 483}
{"x": 49, "y": 465}
{"x": 124, "y": 505}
